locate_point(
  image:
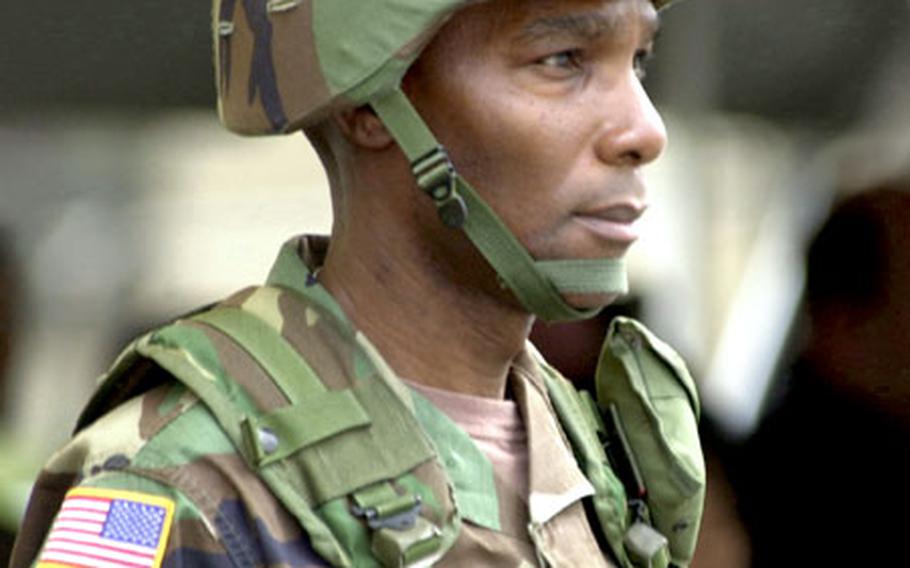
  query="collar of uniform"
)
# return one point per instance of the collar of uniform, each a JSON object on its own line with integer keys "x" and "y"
{"x": 298, "y": 261}
{"x": 469, "y": 470}
{"x": 295, "y": 268}
{"x": 555, "y": 482}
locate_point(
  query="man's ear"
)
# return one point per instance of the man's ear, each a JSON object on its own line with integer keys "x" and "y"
{"x": 361, "y": 127}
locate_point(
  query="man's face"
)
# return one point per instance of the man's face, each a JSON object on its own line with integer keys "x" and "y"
{"x": 541, "y": 107}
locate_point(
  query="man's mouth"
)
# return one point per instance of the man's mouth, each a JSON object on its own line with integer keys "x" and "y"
{"x": 615, "y": 222}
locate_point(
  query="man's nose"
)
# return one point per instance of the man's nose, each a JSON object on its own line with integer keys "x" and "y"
{"x": 635, "y": 134}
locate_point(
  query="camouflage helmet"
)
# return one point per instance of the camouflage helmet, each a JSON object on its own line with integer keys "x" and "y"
{"x": 284, "y": 64}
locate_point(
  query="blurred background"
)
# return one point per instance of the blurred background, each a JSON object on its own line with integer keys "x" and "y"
{"x": 124, "y": 204}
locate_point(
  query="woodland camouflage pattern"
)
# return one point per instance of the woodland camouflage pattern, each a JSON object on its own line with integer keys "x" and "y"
{"x": 166, "y": 442}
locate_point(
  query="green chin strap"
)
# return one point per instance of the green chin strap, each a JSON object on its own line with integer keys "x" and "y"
{"x": 538, "y": 285}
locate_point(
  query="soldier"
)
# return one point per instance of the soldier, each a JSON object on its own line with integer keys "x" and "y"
{"x": 377, "y": 403}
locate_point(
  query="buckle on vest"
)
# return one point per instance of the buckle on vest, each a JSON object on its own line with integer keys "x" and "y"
{"x": 400, "y": 535}
{"x": 645, "y": 546}
{"x": 409, "y": 546}
{"x": 399, "y": 514}
{"x": 436, "y": 176}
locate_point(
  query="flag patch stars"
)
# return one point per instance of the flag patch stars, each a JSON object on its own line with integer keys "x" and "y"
{"x": 108, "y": 529}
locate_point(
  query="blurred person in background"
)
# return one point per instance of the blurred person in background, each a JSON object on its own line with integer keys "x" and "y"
{"x": 823, "y": 481}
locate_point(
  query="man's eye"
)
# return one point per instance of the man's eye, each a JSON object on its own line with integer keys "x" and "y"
{"x": 568, "y": 59}
{"x": 640, "y": 62}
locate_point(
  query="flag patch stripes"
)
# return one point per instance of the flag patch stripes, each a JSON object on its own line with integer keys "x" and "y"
{"x": 105, "y": 528}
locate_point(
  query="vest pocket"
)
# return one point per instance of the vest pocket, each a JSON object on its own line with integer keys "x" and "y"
{"x": 658, "y": 408}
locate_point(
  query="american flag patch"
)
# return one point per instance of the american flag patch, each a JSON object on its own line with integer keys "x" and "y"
{"x": 106, "y": 528}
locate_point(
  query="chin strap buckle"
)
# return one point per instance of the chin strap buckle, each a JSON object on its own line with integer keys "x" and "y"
{"x": 436, "y": 176}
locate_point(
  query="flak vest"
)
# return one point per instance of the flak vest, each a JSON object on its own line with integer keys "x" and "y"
{"x": 347, "y": 457}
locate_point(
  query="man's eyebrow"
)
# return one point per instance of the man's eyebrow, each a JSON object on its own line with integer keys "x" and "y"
{"x": 587, "y": 26}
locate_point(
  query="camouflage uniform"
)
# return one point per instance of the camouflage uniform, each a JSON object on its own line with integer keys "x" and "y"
{"x": 166, "y": 443}
{"x": 296, "y": 444}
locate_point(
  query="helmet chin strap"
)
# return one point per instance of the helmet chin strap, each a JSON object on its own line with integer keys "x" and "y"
{"x": 538, "y": 284}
